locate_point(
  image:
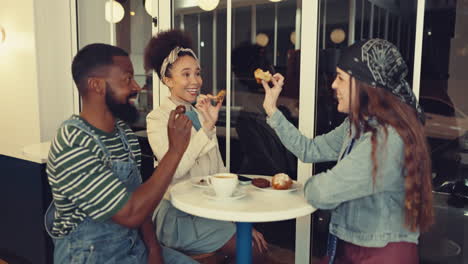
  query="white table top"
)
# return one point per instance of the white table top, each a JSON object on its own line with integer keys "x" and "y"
{"x": 256, "y": 206}
{"x": 37, "y": 152}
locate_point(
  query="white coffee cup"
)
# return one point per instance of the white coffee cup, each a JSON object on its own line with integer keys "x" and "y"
{"x": 224, "y": 184}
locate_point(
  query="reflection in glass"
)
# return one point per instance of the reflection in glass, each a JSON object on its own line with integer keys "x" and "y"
{"x": 131, "y": 31}
{"x": 132, "y": 34}
{"x": 444, "y": 98}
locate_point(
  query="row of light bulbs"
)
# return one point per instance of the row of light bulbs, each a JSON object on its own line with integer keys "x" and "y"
{"x": 114, "y": 11}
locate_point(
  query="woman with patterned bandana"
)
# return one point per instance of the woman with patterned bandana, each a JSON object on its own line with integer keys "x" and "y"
{"x": 379, "y": 192}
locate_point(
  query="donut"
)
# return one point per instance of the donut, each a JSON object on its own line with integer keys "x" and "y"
{"x": 261, "y": 183}
{"x": 281, "y": 181}
{"x": 180, "y": 109}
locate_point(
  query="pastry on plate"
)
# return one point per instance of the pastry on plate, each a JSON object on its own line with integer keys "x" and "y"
{"x": 261, "y": 182}
{"x": 281, "y": 181}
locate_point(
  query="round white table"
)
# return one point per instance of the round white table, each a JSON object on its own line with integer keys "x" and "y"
{"x": 256, "y": 206}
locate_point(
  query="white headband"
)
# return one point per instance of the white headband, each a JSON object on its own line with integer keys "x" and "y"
{"x": 172, "y": 57}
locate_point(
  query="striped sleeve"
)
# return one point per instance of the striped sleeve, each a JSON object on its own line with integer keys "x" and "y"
{"x": 81, "y": 175}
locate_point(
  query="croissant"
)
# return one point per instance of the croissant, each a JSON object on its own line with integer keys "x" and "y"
{"x": 262, "y": 75}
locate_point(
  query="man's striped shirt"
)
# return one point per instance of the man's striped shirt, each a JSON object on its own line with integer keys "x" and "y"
{"x": 82, "y": 184}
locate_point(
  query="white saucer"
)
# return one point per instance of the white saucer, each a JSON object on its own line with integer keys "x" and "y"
{"x": 199, "y": 182}
{"x": 210, "y": 194}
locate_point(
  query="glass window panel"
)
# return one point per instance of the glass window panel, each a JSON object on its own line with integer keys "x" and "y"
{"x": 92, "y": 26}
{"x": 253, "y": 146}
{"x": 208, "y": 32}
{"x": 131, "y": 33}
{"x": 445, "y": 101}
{"x": 265, "y": 24}
{"x": 256, "y": 149}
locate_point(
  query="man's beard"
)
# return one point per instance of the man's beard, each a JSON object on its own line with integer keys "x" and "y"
{"x": 126, "y": 111}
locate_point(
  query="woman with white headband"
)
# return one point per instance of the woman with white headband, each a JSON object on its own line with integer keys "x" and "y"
{"x": 170, "y": 55}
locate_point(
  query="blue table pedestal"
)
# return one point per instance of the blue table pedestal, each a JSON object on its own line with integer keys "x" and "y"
{"x": 244, "y": 243}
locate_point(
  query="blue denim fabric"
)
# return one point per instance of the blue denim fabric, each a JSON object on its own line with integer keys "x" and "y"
{"x": 189, "y": 233}
{"x": 106, "y": 242}
{"x": 362, "y": 213}
{"x": 332, "y": 243}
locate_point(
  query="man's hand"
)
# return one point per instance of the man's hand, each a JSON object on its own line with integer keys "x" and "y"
{"x": 155, "y": 256}
{"x": 210, "y": 113}
{"x": 178, "y": 131}
{"x": 272, "y": 93}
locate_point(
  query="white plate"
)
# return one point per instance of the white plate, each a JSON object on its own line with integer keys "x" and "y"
{"x": 197, "y": 182}
{"x": 294, "y": 187}
{"x": 210, "y": 194}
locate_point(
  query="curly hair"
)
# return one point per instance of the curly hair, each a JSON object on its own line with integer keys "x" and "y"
{"x": 388, "y": 110}
{"x": 159, "y": 47}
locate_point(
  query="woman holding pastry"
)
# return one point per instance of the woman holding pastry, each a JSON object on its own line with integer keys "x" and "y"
{"x": 170, "y": 55}
{"x": 379, "y": 192}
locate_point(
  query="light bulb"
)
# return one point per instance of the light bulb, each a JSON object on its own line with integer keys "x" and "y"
{"x": 292, "y": 37}
{"x": 114, "y": 12}
{"x": 208, "y": 5}
{"x": 337, "y": 35}
{"x": 262, "y": 39}
{"x": 149, "y": 7}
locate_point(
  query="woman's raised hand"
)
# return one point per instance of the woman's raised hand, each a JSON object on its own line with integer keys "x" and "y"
{"x": 209, "y": 112}
{"x": 272, "y": 93}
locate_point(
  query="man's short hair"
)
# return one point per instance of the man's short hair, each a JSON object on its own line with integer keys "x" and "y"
{"x": 90, "y": 59}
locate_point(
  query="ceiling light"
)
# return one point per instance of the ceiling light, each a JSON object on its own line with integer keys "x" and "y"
{"x": 208, "y": 5}
{"x": 292, "y": 37}
{"x": 114, "y": 12}
{"x": 275, "y": 0}
{"x": 337, "y": 35}
{"x": 262, "y": 39}
{"x": 149, "y": 7}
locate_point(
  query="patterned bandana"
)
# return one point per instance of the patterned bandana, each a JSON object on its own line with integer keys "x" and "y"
{"x": 379, "y": 63}
{"x": 172, "y": 57}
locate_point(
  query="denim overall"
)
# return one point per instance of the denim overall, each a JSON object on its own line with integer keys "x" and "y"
{"x": 101, "y": 242}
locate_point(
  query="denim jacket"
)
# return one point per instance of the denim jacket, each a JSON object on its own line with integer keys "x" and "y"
{"x": 362, "y": 213}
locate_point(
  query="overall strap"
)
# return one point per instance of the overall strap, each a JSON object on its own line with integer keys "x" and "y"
{"x": 125, "y": 142}
{"x": 81, "y": 125}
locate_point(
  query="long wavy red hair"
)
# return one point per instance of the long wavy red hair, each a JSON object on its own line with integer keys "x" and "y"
{"x": 389, "y": 110}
